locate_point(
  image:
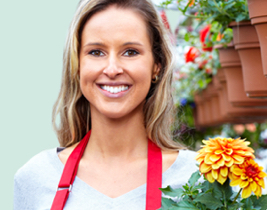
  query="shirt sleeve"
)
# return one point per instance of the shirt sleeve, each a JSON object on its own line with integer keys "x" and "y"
{"x": 19, "y": 199}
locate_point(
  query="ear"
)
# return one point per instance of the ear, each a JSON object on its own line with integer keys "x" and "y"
{"x": 156, "y": 69}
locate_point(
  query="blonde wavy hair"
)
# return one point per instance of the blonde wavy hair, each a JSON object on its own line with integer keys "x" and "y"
{"x": 74, "y": 109}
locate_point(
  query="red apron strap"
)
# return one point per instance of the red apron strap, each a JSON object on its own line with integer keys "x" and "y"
{"x": 154, "y": 177}
{"x": 60, "y": 199}
{"x": 69, "y": 173}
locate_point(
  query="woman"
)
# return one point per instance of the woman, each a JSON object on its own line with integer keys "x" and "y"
{"x": 116, "y": 93}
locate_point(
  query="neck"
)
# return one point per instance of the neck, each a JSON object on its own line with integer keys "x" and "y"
{"x": 123, "y": 138}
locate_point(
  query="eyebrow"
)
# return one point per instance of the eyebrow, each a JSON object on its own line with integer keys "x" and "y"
{"x": 132, "y": 43}
{"x": 102, "y": 44}
{"x": 94, "y": 43}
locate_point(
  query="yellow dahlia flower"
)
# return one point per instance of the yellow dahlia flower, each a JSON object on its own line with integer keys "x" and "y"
{"x": 219, "y": 154}
{"x": 248, "y": 176}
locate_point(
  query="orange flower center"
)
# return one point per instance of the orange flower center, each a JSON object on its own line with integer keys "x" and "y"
{"x": 251, "y": 171}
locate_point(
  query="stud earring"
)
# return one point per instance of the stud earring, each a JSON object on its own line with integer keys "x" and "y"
{"x": 155, "y": 79}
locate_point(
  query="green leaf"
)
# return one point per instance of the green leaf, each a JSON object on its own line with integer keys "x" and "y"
{"x": 172, "y": 192}
{"x": 187, "y": 37}
{"x": 248, "y": 204}
{"x": 230, "y": 4}
{"x": 235, "y": 206}
{"x": 194, "y": 178}
{"x": 240, "y": 17}
{"x": 259, "y": 202}
{"x": 186, "y": 187}
{"x": 206, "y": 186}
{"x": 210, "y": 201}
{"x": 185, "y": 205}
{"x": 222, "y": 191}
{"x": 201, "y": 83}
{"x": 166, "y": 203}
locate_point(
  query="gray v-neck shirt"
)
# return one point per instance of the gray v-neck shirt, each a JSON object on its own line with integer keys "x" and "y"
{"x": 35, "y": 185}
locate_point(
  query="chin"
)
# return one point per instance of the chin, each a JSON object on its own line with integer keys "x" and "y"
{"x": 116, "y": 115}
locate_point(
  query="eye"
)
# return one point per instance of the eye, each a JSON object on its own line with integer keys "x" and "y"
{"x": 131, "y": 52}
{"x": 96, "y": 53}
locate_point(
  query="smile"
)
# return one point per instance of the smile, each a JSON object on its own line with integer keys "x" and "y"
{"x": 115, "y": 89}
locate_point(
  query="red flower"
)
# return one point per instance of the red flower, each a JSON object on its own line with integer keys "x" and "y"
{"x": 202, "y": 63}
{"x": 208, "y": 71}
{"x": 164, "y": 19}
{"x": 191, "y": 55}
{"x": 203, "y": 36}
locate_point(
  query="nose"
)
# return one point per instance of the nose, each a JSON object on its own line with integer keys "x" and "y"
{"x": 113, "y": 67}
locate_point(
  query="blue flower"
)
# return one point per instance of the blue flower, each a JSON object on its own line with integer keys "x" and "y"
{"x": 183, "y": 101}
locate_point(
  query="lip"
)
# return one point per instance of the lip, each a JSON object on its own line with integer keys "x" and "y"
{"x": 113, "y": 95}
{"x": 113, "y": 83}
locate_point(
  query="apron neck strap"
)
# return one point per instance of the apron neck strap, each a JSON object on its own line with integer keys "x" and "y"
{"x": 154, "y": 175}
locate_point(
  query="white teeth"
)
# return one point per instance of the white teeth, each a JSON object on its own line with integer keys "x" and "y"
{"x": 116, "y": 89}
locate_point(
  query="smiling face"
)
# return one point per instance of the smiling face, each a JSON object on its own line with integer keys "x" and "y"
{"x": 116, "y": 62}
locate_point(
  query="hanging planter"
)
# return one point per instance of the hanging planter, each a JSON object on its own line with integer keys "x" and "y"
{"x": 215, "y": 104}
{"x": 225, "y": 105}
{"x": 247, "y": 44}
{"x": 231, "y": 65}
{"x": 200, "y": 112}
{"x": 258, "y": 15}
{"x": 242, "y": 114}
{"x": 207, "y": 108}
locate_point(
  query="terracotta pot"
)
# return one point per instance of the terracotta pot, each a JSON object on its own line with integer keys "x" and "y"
{"x": 200, "y": 114}
{"x": 247, "y": 43}
{"x": 244, "y": 114}
{"x": 207, "y": 107}
{"x": 258, "y": 15}
{"x": 231, "y": 65}
{"x": 215, "y": 104}
{"x": 224, "y": 104}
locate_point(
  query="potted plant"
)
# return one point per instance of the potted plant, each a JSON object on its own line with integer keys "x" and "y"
{"x": 219, "y": 14}
{"x": 258, "y": 16}
{"x": 231, "y": 65}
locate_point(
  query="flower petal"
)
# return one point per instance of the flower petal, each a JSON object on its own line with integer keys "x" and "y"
{"x": 209, "y": 177}
{"x": 204, "y": 168}
{"x": 207, "y": 159}
{"x": 238, "y": 159}
{"x": 215, "y": 174}
{"x": 219, "y": 151}
{"x": 237, "y": 171}
{"x": 246, "y": 192}
{"x": 214, "y": 158}
{"x": 230, "y": 163}
{"x": 253, "y": 186}
{"x": 235, "y": 182}
{"x": 224, "y": 171}
{"x": 243, "y": 184}
{"x": 258, "y": 191}
{"x": 221, "y": 162}
{"x": 226, "y": 157}
{"x": 221, "y": 179}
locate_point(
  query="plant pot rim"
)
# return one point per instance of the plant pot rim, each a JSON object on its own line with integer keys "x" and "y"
{"x": 222, "y": 46}
{"x": 242, "y": 23}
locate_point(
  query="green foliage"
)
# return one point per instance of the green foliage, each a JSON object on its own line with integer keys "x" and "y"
{"x": 218, "y": 13}
{"x": 221, "y": 11}
{"x": 196, "y": 195}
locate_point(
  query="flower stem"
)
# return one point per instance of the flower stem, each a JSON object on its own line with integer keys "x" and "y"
{"x": 237, "y": 195}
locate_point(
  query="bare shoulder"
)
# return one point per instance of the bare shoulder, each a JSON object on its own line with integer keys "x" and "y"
{"x": 64, "y": 155}
{"x": 168, "y": 158}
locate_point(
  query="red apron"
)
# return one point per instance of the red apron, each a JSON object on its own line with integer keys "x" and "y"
{"x": 154, "y": 176}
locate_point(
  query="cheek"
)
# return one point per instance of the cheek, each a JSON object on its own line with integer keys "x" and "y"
{"x": 86, "y": 80}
